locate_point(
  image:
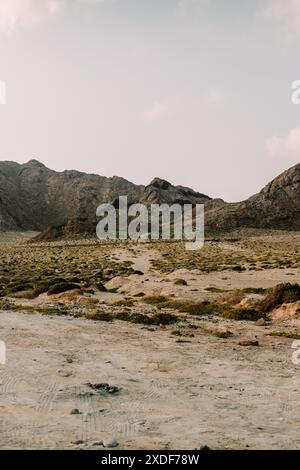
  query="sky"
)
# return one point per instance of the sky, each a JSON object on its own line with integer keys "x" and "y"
{"x": 197, "y": 92}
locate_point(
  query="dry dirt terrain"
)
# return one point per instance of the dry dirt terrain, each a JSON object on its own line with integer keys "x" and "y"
{"x": 148, "y": 346}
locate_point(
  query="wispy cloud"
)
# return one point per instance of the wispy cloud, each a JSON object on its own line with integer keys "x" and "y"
{"x": 286, "y": 15}
{"x": 16, "y": 14}
{"x": 285, "y": 147}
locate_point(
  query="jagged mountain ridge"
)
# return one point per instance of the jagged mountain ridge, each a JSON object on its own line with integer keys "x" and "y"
{"x": 34, "y": 197}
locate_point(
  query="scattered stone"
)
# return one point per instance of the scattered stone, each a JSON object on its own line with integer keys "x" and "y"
{"x": 248, "y": 342}
{"x": 75, "y": 411}
{"x": 222, "y": 332}
{"x": 78, "y": 442}
{"x": 97, "y": 443}
{"x": 104, "y": 387}
{"x": 65, "y": 373}
{"x": 261, "y": 322}
{"x": 110, "y": 443}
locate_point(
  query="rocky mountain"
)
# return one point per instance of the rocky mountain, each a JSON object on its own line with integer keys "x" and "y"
{"x": 276, "y": 206}
{"x": 33, "y": 197}
{"x": 160, "y": 191}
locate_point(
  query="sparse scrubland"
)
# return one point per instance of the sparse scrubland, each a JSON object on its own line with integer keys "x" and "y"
{"x": 173, "y": 333}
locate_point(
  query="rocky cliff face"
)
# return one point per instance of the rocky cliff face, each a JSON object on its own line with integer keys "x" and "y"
{"x": 276, "y": 206}
{"x": 160, "y": 191}
{"x": 33, "y": 197}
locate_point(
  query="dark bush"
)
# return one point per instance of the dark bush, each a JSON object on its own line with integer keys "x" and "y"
{"x": 163, "y": 319}
{"x": 280, "y": 294}
{"x": 62, "y": 287}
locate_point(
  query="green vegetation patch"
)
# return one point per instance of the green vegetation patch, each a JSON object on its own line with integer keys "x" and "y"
{"x": 248, "y": 314}
{"x": 284, "y": 334}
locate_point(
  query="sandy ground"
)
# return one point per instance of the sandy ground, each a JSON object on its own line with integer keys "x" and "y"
{"x": 157, "y": 283}
{"x": 175, "y": 393}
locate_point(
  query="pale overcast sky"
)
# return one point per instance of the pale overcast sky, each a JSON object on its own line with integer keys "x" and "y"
{"x": 194, "y": 91}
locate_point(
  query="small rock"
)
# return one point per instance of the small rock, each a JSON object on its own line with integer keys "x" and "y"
{"x": 260, "y": 322}
{"x": 97, "y": 443}
{"x": 79, "y": 441}
{"x": 110, "y": 443}
{"x": 222, "y": 332}
{"x": 64, "y": 373}
{"x": 248, "y": 342}
{"x": 205, "y": 447}
{"x": 104, "y": 387}
{"x": 75, "y": 411}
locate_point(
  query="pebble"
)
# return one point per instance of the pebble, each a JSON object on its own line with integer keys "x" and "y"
{"x": 97, "y": 443}
{"x": 64, "y": 373}
{"x": 75, "y": 411}
{"x": 110, "y": 443}
{"x": 104, "y": 387}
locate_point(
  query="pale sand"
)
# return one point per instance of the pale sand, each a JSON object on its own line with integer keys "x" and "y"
{"x": 176, "y": 395}
{"x": 173, "y": 395}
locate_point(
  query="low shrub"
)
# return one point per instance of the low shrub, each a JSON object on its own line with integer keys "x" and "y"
{"x": 99, "y": 316}
{"x": 123, "y": 303}
{"x": 280, "y": 294}
{"x": 284, "y": 334}
{"x": 154, "y": 299}
{"x": 202, "y": 308}
{"x": 62, "y": 287}
{"x": 249, "y": 314}
{"x": 180, "y": 282}
{"x": 161, "y": 318}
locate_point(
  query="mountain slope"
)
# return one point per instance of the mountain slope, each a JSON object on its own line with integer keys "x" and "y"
{"x": 33, "y": 197}
{"x": 276, "y": 206}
